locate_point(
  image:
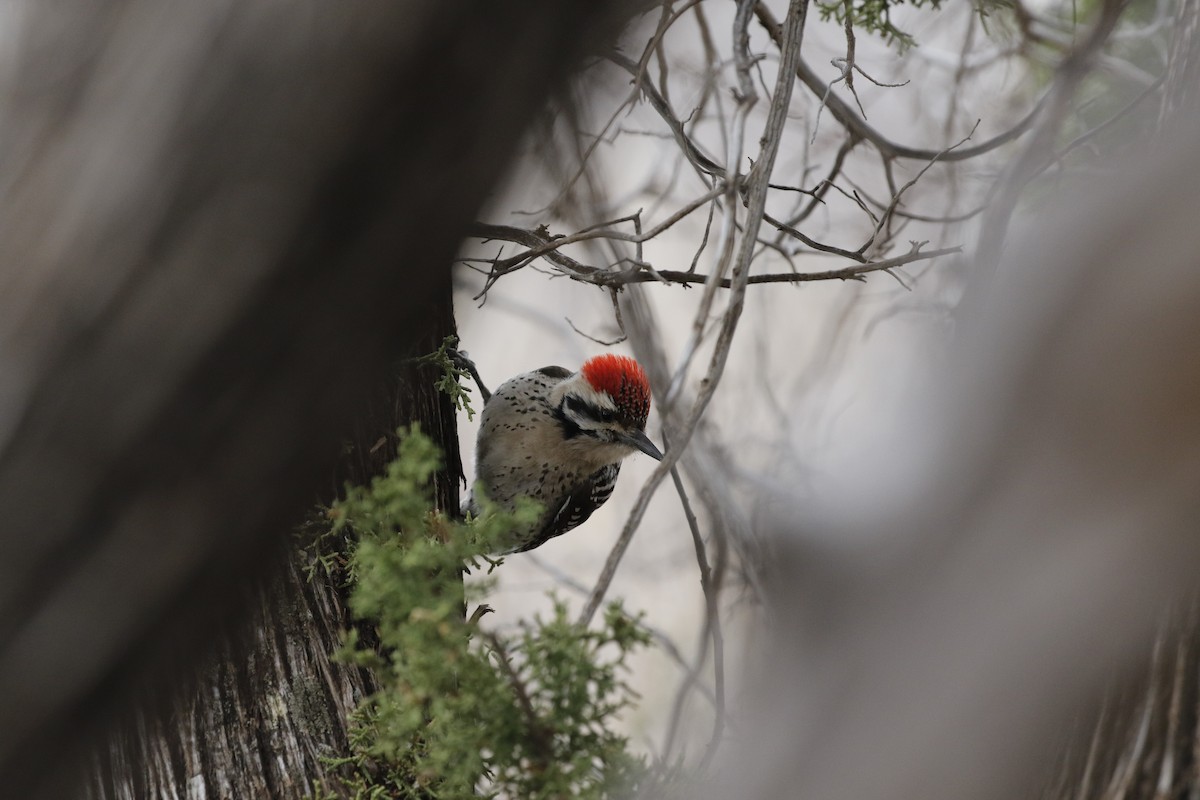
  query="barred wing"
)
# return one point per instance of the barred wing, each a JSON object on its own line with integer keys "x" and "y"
{"x": 577, "y": 506}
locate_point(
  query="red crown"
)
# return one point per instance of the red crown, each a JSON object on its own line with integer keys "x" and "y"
{"x": 624, "y": 381}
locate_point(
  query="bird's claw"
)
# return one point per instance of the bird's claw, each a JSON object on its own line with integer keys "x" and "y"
{"x": 462, "y": 361}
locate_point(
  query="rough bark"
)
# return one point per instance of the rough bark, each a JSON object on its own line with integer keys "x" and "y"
{"x": 270, "y": 706}
{"x": 259, "y": 721}
{"x": 1142, "y": 739}
{"x": 220, "y": 223}
{"x": 1181, "y": 85}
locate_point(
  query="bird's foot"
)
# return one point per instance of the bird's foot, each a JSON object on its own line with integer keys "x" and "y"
{"x": 479, "y": 613}
{"x": 462, "y": 361}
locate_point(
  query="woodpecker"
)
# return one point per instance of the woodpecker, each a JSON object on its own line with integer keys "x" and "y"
{"x": 558, "y": 437}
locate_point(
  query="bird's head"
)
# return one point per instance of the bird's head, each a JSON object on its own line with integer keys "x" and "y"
{"x": 607, "y": 403}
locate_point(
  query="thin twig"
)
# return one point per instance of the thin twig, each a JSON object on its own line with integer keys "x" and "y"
{"x": 1083, "y": 138}
{"x": 859, "y": 128}
{"x": 710, "y": 584}
{"x": 896, "y": 195}
{"x": 1032, "y": 158}
{"x": 711, "y": 630}
{"x": 543, "y": 244}
{"x": 704, "y": 239}
{"x": 665, "y": 643}
{"x": 903, "y": 214}
{"x": 539, "y": 734}
{"x": 823, "y": 187}
{"x": 783, "y": 227}
{"x": 704, "y": 165}
{"x": 617, "y": 279}
{"x": 757, "y": 195}
{"x": 601, "y": 342}
{"x": 583, "y": 162}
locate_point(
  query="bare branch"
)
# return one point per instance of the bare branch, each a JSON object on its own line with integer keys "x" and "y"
{"x": 823, "y": 187}
{"x": 705, "y": 166}
{"x": 887, "y": 214}
{"x": 540, "y": 735}
{"x": 542, "y": 244}
{"x": 1032, "y": 158}
{"x": 783, "y": 227}
{"x": 757, "y": 195}
{"x": 620, "y": 325}
{"x": 862, "y": 131}
{"x": 618, "y": 279}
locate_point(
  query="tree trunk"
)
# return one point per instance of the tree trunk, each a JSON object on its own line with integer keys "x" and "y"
{"x": 1181, "y": 86}
{"x": 270, "y": 706}
{"x": 1143, "y": 740}
{"x": 220, "y": 223}
{"x": 949, "y": 632}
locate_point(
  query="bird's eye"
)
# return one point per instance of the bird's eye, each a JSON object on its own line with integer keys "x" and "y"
{"x": 586, "y": 410}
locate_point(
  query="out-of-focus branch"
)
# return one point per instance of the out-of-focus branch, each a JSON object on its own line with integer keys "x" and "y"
{"x": 705, "y": 166}
{"x": 862, "y": 131}
{"x": 757, "y": 196}
{"x": 1037, "y": 150}
{"x": 955, "y": 630}
{"x": 711, "y": 578}
{"x": 886, "y": 216}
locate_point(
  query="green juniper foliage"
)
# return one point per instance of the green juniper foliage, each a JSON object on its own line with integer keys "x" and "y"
{"x": 873, "y": 16}
{"x": 454, "y": 380}
{"x": 464, "y": 712}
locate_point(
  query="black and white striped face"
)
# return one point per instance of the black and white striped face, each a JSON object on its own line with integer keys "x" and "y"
{"x": 590, "y": 413}
{"x": 594, "y": 417}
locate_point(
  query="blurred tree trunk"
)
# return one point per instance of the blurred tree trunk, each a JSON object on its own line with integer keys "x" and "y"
{"x": 1181, "y": 88}
{"x": 221, "y": 224}
{"x": 269, "y": 708}
{"x": 1144, "y": 739}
